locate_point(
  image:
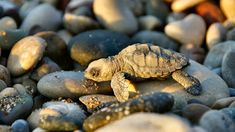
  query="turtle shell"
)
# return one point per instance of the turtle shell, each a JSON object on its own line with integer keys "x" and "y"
{"x": 148, "y": 60}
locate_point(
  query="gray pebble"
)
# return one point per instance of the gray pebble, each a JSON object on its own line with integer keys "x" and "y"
{"x": 228, "y": 70}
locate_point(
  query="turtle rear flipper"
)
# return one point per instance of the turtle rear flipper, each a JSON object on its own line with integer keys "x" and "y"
{"x": 121, "y": 86}
{"x": 190, "y": 83}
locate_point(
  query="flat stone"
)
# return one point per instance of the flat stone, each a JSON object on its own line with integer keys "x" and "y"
{"x": 115, "y": 15}
{"x": 181, "y": 5}
{"x": 70, "y": 84}
{"x": 25, "y": 54}
{"x": 143, "y": 122}
{"x": 191, "y": 29}
{"x": 213, "y": 87}
{"x": 228, "y": 70}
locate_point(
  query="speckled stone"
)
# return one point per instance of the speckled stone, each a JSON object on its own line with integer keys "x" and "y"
{"x": 7, "y": 23}
{"x": 70, "y": 84}
{"x": 181, "y": 5}
{"x": 228, "y": 70}
{"x": 25, "y": 54}
{"x": 217, "y": 121}
{"x": 215, "y": 34}
{"x": 115, "y": 15}
{"x": 227, "y": 7}
{"x": 191, "y": 29}
{"x": 142, "y": 122}
{"x": 95, "y": 44}
{"x": 156, "y": 38}
{"x": 44, "y": 16}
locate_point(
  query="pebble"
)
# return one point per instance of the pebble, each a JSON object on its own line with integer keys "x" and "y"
{"x": 30, "y": 86}
{"x": 230, "y": 112}
{"x": 5, "y": 75}
{"x": 65, "y": 35}
{"x": 210, "y": 12}
{"x": 61, "y": 116}
{"x": 25, "y": 54}
{"x": 151, "y": 122}
{"x": 228, "y": 70}
{"x": 227, "y": 7}
{"x": 191, "y": 29}
{"x": 175, "y": 16}
{"x": 152, "y": 102}
{"x": 223, "y": 103}
{"x": 9, "y": 37}
{"x": 182, "y": 5}
{"x": 2, "y": 85}
{"x": 5, "y": 128}
{"x": 157, "y": 8}
{"x": 215, "y": 34}
{"x": 33, "y": 119}
{"x": 217, "y": 71}
{"x": 216, "y": 121}
{"x": 20, "y": 125}
{"x": 115, "y": 15}
{"x": 231, "y": 35}
{"x": 27, "y": 7}
{"x": 213, "y": 87}
{"x": 232, "y": 92}
{"x": 47, "y": 66}
{"x": 194, "y": 112}
{"x": 136, "y": 6}
{"x": 44, "y": 16}
{"x": 70, "y": 84}
{"x": 149, "y": 22}
{"x": 193, "y": 52}
{"x": 7, "y": 23}
{"x": 77, "y": 24}
{"x": 215, "y": 55}
{"x": 91, "y": 45}
{"x": 56, "y": 48}
{"x": 156, "y": 38}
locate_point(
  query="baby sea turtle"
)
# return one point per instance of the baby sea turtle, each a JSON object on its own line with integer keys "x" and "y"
{"x": 142, "y": 61}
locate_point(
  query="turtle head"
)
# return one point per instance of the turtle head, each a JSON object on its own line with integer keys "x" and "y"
{"x": 100, "y": 70}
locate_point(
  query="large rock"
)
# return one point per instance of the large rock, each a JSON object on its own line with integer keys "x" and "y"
{"x": 213, "y": 87}
{"x": 191, "y": 29}
{"x": 115, "y": 15}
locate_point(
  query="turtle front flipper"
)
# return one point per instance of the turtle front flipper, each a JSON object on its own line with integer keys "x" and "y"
{"x": 121, "y": 86}
{"x": 190, "y": 83}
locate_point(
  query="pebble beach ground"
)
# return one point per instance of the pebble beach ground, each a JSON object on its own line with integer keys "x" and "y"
{"x": 46, "y": 45}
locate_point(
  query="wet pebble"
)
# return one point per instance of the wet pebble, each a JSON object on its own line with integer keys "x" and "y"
{"x": 216, "y": 33}
{"x": 61, "y": 116}
{"x": 194, "y": 111}
{"x": 228, "y": 70}
{"x": 25, "y": 54}
{"x": 153, "y": 102}
{"x": 142, "y": 122}
{"x": 7, "y": 23}
{"x": 217, "y": 121}
{"x": 156, "y": 38}
{"x": 44, "y": 16}
{"x": 20, "y": 125}
{"x": 115, "y": 15}
{"x": 70, "y": 84}
{"x": 95, "y": 44}
{"x": 191, "y": 29}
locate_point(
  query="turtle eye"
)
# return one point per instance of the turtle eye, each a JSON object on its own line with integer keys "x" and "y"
{"x": 95, "y": 72}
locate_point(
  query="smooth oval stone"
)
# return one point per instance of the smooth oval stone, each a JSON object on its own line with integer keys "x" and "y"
{"x": 210, "y": 12}
{"x": 215, "y": 34}
{"x": 222, "y": 103}
{"x": 181, "y": 5}
{"x": 115, "y": 15}
{"x": 152, "y": 102}
{"x": 213, "y": 87}
{"x": 227, "y": 7}
{"x": 215, "y": 55}
{"x": 20, "y": 125}
{"x": 77, "y": 24}
{"x": 157, "y": 8}
{"x": 45, "y": 16}
{"x": 47, "y": 66}
{"x": 217, "y": 121}
{"x": 61, "y": 116}
{"x": 228, "y": 70}
{"x": 7, "y": 23}
{"x": 231, "y": 35}
{"x": 149, "y": 22}
{"x": 25, "y": 54}
{"x": 9, "y": 37}
{"x": 191, "y": 29}
{"x": 194, "y": 111}
{"x": 69, "y": 84}
{"x": 175, "y": 16}
{"x": 5, "y": 75}
{"x": 95, "y": 44}
{"x": 156, "y": 38}
{"x": 142, "y": 122}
